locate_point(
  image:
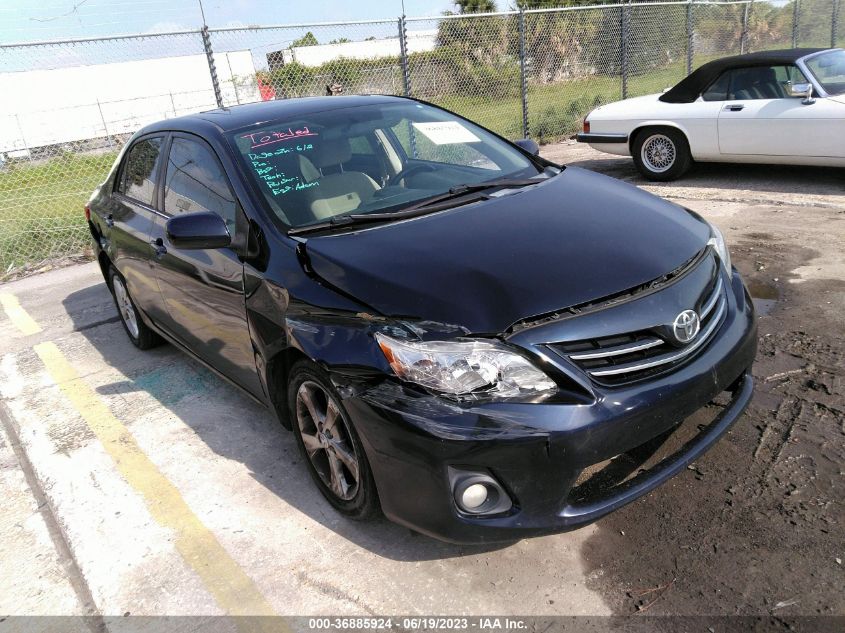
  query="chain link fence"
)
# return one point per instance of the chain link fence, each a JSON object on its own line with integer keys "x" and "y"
{"x": 67, "y": 109}
{"x": 69, "y": 106}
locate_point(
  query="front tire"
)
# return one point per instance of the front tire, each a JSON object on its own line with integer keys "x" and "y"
{"x": 141, "y": 336}
{"x": 661, "y": 154}
{"x": 329, "y": 443}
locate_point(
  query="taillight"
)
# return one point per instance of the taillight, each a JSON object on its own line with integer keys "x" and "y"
{"x": 586, "y": 126}
{"x": 87, "y": 213}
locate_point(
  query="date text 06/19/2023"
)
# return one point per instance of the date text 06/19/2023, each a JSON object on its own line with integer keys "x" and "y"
{"x": 428, "y": 623}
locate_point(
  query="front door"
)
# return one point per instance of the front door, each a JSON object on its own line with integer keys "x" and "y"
{"x": 759, "y": 118}
{"x": 203, "y": 289}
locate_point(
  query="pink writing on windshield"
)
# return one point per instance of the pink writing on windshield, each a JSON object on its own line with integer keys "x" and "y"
{"x": 260, "y": 139}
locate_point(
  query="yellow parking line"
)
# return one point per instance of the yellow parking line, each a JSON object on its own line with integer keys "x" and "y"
{"x": 17, "y": 315}
{"x": 234, "y": 591}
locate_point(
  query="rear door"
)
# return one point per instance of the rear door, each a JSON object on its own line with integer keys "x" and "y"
{"x": 203, "y": 289}
{"x": 129, "y": 220}
{"x": 759, "y": 118}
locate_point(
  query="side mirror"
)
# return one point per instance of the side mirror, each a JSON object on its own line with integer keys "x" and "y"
{"x": 802, "y": 90}
{"x": 528, "y": 145}
{"x": 199, "y": 230}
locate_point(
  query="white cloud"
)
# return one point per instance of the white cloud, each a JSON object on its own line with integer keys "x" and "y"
{"x": 167, "y": 26}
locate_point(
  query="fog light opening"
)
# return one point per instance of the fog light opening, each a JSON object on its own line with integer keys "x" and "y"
{"x": 478, "y": 493}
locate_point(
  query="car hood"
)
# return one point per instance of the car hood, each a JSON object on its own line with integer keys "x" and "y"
{"x": 838, "y": 98}
{"x": 576, "y": 237}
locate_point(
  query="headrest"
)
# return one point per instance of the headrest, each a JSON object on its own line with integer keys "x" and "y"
{"x": 307, "y": 169}
{"x": 330, "y": 152}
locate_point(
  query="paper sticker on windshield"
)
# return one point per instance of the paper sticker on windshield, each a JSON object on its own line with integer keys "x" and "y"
{"x": 447, "y": 133}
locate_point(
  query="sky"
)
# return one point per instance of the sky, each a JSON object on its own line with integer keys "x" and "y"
{"x": 28, "y": 20}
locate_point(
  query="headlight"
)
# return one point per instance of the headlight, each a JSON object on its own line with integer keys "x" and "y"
{"x": 717, "y": 241}
{"x": 465, "y": 367}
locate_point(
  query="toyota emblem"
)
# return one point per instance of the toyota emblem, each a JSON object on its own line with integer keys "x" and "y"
{"x": 686, "y": 326}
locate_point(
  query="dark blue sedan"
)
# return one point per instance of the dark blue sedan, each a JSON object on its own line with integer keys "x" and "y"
{"x": 480, "y": 343}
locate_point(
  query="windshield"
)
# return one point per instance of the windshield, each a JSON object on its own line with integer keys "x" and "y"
{"x": 379, "y": 157}
{"x": 829, "y": 71}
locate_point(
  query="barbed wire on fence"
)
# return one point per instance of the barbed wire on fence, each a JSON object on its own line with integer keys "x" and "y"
{"x": 69, "y": 106}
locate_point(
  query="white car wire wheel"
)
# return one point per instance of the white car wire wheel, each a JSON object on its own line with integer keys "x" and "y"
{"x": 661, "y": 153}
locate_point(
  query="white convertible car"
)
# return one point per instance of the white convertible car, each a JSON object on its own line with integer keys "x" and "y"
{"x": 779, "y": 107}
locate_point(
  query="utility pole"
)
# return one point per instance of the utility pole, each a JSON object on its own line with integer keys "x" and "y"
{"x": 209, "y": 55}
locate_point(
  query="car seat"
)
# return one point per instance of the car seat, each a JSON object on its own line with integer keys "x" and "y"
{"x": 290, "y": 205}
{"x": 337, "y": 191}
{"x": 756, "y": 83}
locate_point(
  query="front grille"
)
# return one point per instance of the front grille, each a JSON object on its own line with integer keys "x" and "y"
{"x": 622, "y": 358}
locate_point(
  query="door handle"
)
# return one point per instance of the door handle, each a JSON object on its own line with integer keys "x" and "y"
{"x": 734, "y": 107}
{"x": 158, "y": 246}
{"x": 109, "y": 220}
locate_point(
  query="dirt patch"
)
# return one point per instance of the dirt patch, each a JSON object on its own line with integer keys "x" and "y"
{"x": 756, "y": 526}
{"x": 44, "y": 266}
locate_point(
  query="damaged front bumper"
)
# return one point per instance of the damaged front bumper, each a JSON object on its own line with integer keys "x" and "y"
{"x": 540, "y": 452}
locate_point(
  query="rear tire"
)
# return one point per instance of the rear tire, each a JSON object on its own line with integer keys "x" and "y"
{"x": 661, "y": 154}
{"x": 329, "y": 443}
{"x": 141, "y": 336}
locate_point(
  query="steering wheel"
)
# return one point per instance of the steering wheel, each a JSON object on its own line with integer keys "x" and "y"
{"x": 411, "y": 169}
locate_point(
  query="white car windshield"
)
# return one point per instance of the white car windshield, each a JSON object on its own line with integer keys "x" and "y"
{"x": 377, "y": 157}
{"x": 829, "y": 71}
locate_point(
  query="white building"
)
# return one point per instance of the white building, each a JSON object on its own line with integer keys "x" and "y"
{"x": 49, "y": 107}
{"x": 312, "y": 56}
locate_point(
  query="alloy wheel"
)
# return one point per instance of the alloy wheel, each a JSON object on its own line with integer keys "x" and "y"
{"x": 125, "y": 307}
{"x": 327, "y": 440}
{"x": 658, "y": 153}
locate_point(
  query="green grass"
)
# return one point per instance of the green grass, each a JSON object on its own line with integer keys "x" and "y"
{"x": 42, "y": 207}
{"x": 556, "y": 111}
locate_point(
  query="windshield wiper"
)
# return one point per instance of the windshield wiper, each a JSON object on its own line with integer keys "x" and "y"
{"x": 461, "y": 190}
{"x": 332, "y": 222}
{"x": 427, "y": 205}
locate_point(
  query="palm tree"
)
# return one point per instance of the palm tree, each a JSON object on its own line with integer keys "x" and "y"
{"x": 476, "y": 6}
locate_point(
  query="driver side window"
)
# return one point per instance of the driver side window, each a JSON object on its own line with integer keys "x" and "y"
{"x": 789, "y": 75}
{"x": 195, "y": 181}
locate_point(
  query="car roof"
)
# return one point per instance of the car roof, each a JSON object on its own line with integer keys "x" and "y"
{"x": 239, "y": 116}
{"x": 689, "y": 89}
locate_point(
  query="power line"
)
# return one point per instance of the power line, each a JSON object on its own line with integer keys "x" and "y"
{"x": 63, "y": 15}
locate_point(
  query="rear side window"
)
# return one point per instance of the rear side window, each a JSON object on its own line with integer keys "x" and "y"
{"x": 139, "y": 170}
{"x": 195, "y": 181}
{"x": 718, "y": 90}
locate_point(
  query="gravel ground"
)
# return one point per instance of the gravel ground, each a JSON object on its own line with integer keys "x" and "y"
{"x": 757, "y": 525}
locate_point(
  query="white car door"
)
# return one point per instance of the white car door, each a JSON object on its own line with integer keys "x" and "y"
{"x": 751, "y": 124}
